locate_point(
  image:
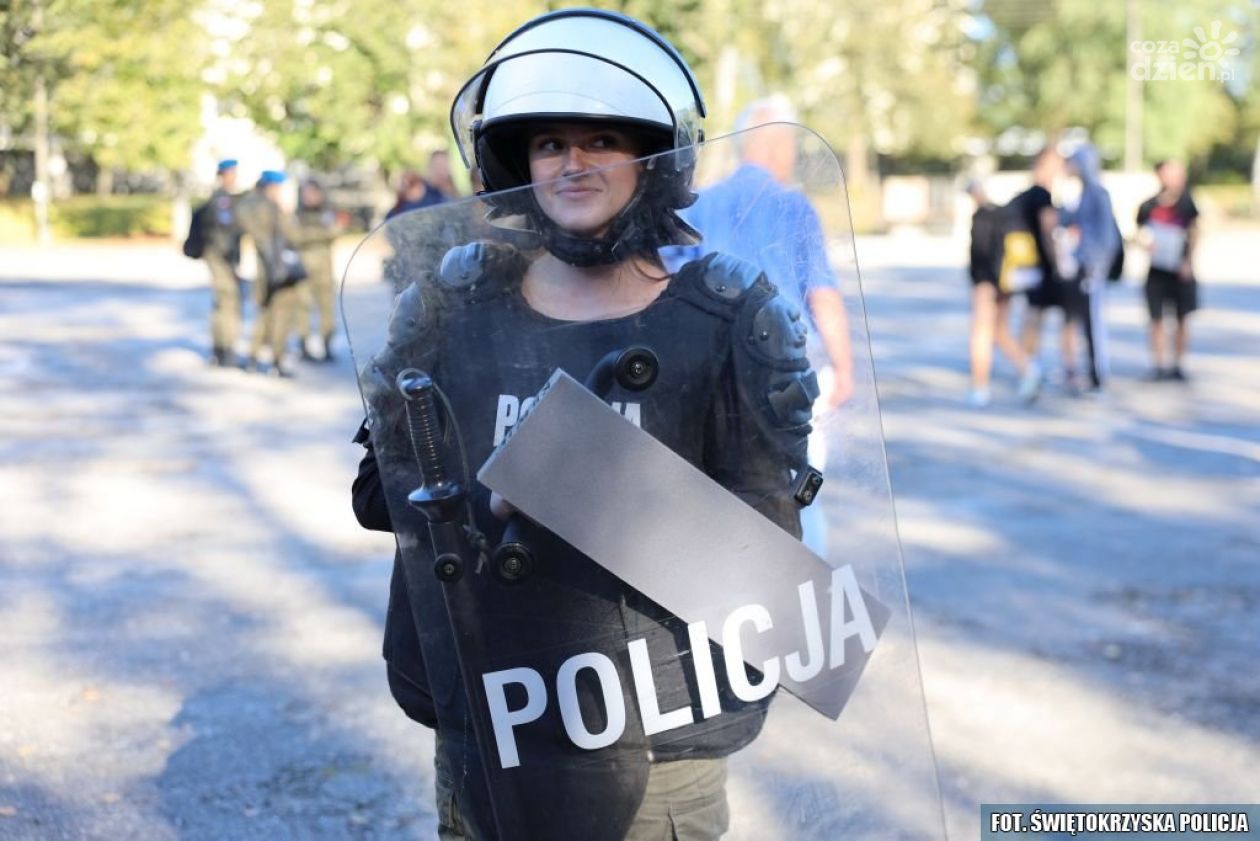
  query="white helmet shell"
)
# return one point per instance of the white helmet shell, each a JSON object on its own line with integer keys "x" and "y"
{"x": 581, "y": 64}
{"x": 555, "y": 84}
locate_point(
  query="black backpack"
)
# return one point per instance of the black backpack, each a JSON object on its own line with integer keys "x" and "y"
{"x": 1116, "y": 272}
{"x": 195, "y": 242}
{"x": 986, "y": 243}
{"x": 1018, "y": 257}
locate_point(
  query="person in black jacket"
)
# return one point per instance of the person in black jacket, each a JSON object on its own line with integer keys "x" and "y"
{"x": 1168, "y": 222}
{"x": 990, "y": 306}
{"x": 489, "y": 328}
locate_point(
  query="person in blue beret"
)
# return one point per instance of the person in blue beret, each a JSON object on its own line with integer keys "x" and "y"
{"x": 275, "y": 235}
{"x": 216, "y": 223}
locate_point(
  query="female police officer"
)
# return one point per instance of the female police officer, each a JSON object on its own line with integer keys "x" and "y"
{"x": 583, "y": 125}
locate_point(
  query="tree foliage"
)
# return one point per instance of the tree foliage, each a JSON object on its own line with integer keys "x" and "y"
{"x": 123, "y": 77}
{"x": 337, "y": 81}
{"x": 1062, "y": 64}
{"x": 369, "y": 82}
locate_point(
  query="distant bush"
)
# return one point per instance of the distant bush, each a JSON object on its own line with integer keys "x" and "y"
{"x": 17, "y": 221}
{"x": 90, "y": 216}
{"x": 1234, "y": 200}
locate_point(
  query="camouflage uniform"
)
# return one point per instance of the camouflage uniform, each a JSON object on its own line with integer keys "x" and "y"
{"x": 317, "y": 231}
{"x": 222, "y": 255}
{"x": 271, "y": 229}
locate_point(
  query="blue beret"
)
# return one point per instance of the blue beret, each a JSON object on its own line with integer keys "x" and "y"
{"x": 226, "y": 164}
{"x": 271, "y": 176}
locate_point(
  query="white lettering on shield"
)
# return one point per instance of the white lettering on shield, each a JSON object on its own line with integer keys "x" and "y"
{"x": 511, "y": 410}
{"x": 848, "y": 620}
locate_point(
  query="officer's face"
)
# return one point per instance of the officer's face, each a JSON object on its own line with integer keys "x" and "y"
{"x": 595, "y": 188}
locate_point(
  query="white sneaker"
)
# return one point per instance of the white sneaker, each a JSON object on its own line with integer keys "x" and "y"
{"x": 1030, "y": 383}
{"x": 978, "y": 398}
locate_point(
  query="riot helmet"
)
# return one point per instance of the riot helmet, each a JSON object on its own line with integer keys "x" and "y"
{"x": 585, "y": 66}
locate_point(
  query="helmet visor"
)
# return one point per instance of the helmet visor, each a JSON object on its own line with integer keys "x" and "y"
{"x": 566, "y": 84}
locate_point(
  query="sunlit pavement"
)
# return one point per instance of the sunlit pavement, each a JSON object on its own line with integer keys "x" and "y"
{"x": 191, "y": 617}
{"x": 1085, "y": 572}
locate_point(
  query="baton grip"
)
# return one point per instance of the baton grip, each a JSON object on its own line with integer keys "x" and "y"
{"x": 417, "y": 388}
{"x": 439, "y": 497}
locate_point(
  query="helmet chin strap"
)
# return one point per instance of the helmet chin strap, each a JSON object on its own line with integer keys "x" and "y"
{"x": 584, "y": 252}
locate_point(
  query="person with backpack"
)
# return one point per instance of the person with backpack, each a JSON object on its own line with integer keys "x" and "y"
{"x": 991, "y": 305}
{"x": 275, "y": 235}
{"x": 215, "y": 237}
{"x": 1028, "y": 264}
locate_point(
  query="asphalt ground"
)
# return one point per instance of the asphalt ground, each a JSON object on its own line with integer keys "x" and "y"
{"x": 191, "y": 617}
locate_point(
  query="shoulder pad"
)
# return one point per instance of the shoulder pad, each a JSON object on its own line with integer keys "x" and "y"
{"x": 466, "y": 266}
{"x": 727, "y": 277}
{"x": 772, "y": 365}
{"x": 408, "y": 320}
{"x": 773, "y": 330}
{"x": 718, "y": 283}
{"x": 409, "y": 342}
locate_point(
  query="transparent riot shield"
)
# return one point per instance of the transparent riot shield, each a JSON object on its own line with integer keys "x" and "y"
{"x": 642, "y": 505}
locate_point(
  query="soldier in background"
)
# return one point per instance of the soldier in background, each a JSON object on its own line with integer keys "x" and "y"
{"x": 317, "y": 230}
{"x": 274, "y": 234}
{"x": 223, "y": 255}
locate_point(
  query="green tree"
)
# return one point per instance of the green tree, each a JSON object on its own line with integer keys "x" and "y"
{"x": 336, "y": 81}
{"x": 888, "y": 77}
{"x": 366, "y": 81}
{"x": 1064, "y": 64}
{"x": 123, "y": 78}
